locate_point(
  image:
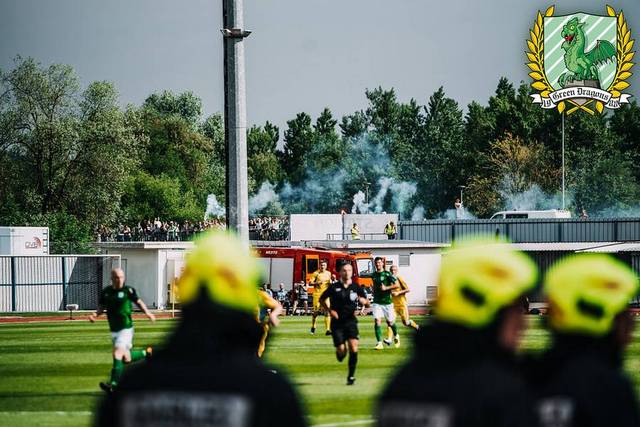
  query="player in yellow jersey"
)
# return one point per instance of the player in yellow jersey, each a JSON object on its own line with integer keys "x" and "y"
{"x": 320, "y": 279}
{"x": 268, "y": 311}
{"x": 400, "y": 305}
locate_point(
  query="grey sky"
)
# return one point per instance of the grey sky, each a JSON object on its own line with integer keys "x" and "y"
{"x": 303, "y": 55}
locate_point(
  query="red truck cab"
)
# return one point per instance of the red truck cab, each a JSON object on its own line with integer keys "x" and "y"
{"x": 290, "y": 265}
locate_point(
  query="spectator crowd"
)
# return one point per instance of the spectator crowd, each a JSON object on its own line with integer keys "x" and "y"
{"x": 156, "y": 230}
{"x": 269, "y": 228}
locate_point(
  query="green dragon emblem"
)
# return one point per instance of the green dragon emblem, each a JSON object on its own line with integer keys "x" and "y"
{"x": 580, "y": 64}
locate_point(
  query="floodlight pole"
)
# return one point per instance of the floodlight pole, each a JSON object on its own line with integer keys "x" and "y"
{"x": 563, "y": 170}
{"x": 235, "y": 118}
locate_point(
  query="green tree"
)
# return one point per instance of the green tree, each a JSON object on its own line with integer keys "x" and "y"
{"x": 354, "y": 125}
{"x": 147, "y": 196}
{"x": 298, "y": 140}
{"x": 328, "y": 148}
{"x": 213, "y": 128}
{"x": 262, "y": 161}
{"x": 181, "y": 148}
{"x": 625, "y": 124}
{"x": 382, "y": 113}
{"x": 185, "y": 104}
{"x": 67, "y": 150}
{"x": 602, "y": 180}
{"x": 444, "y": 154}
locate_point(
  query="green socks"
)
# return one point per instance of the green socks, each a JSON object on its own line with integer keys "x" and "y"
{"x": 394, "y": 329}
{"x": 118, "y": 365}
{"x": 378, "y": 330}
{"x": 116, "y": 371}
{"x": 138, "y": 354}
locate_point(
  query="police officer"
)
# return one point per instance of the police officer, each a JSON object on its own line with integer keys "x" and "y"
{"x": 580, "y": 381}
{"x": 208, "y": 374}
{"x": 463, "y": 372}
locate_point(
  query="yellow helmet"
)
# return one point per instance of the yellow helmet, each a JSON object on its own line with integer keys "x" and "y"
{"x": 479, "y": 277}
{"x": 587, "y": 291}
{"x": 224, "y": 266}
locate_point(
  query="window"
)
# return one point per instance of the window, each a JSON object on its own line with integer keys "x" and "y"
{"x": 365, "y": 267}
{"x": 404, "y": 260}
{"x": 517, "y": 216}
{"x": 312, "y": 265}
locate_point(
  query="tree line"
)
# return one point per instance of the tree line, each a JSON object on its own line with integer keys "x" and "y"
{"x": 73, "y": 158}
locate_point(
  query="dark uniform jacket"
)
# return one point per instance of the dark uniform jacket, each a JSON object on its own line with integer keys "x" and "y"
{"x": 208, "y": 375}
{"x": 457, "y": 377}
{"x": 580, "y": 382}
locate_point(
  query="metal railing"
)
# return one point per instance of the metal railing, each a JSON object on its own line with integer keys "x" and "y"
{"x": 49, "y": 283}
{"x": 525, "y": 230}
{"x": 363, "y": 236}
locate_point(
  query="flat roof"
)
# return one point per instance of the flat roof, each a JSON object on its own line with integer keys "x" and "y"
{"x": 351, "y": 244}
{"x": 562, "y": 246}
{"x": 618, "y": 247}
{"x": 376, "y": 244}
{"x": 144, "y": 245}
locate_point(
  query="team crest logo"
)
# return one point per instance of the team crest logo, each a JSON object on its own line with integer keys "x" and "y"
{"x": 580, "y": 61}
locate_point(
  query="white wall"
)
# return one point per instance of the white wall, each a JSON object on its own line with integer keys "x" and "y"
{"x": 423, "y": 270}
{"x": 317, "y": 227}
{"x": 141, "y": 272}
{"x": 165, "y": 257}
{"x": 369, "y": 223}
{"x": 24, "y": 241}
{"x": 147, "y": 271}
{"x": 314, "y": 227}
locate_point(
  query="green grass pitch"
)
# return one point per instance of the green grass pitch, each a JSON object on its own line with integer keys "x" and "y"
{"x": 50, "y": 371}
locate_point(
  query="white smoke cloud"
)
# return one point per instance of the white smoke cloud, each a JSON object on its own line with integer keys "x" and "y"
{"x": 532, "y": 198}
{"x": 214, "y": 208}
{"x": 417, "y": 214}
{"x": 462, "y": 213}
{"x": 398, "y": 192}
{"x": 265, "y": 195}
{"x": 359, "y": 204}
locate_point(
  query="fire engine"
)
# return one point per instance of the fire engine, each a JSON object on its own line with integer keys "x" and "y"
{"x": 290, "y": 265}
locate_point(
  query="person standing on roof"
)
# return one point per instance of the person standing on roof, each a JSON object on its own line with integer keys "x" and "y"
{"x": 391, "y": 230}
{"x": 355, "y": 232}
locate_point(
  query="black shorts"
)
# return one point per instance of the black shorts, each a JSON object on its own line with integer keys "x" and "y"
{"x": 343, "y": 331}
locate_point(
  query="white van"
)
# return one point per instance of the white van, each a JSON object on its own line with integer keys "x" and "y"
{"x": 551, "y": 213}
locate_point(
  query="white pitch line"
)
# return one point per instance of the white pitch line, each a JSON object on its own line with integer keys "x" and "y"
{"x": 348, "y": 423}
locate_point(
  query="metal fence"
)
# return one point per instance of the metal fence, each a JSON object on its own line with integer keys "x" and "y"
{"x": 49, "y": 283}
{"x": 363, "y": 236}
{"x": 525, "y": 230}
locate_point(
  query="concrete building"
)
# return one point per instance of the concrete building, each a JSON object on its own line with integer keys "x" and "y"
{"x": 338, "y": 227}
{"x": 418, "y": 262}
{"x": 150, "y": 267}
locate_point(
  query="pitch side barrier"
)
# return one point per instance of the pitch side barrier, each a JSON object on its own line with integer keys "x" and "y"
{"x": 525, "y": 230}
{"x": 49, "y": 283}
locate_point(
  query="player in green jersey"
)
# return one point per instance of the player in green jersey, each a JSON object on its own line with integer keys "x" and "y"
{"x": 116, "y": 300}
{"x": 383, "y": 284}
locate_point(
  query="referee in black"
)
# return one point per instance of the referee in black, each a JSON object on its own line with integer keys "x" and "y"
{"x": 343, "y": 297}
